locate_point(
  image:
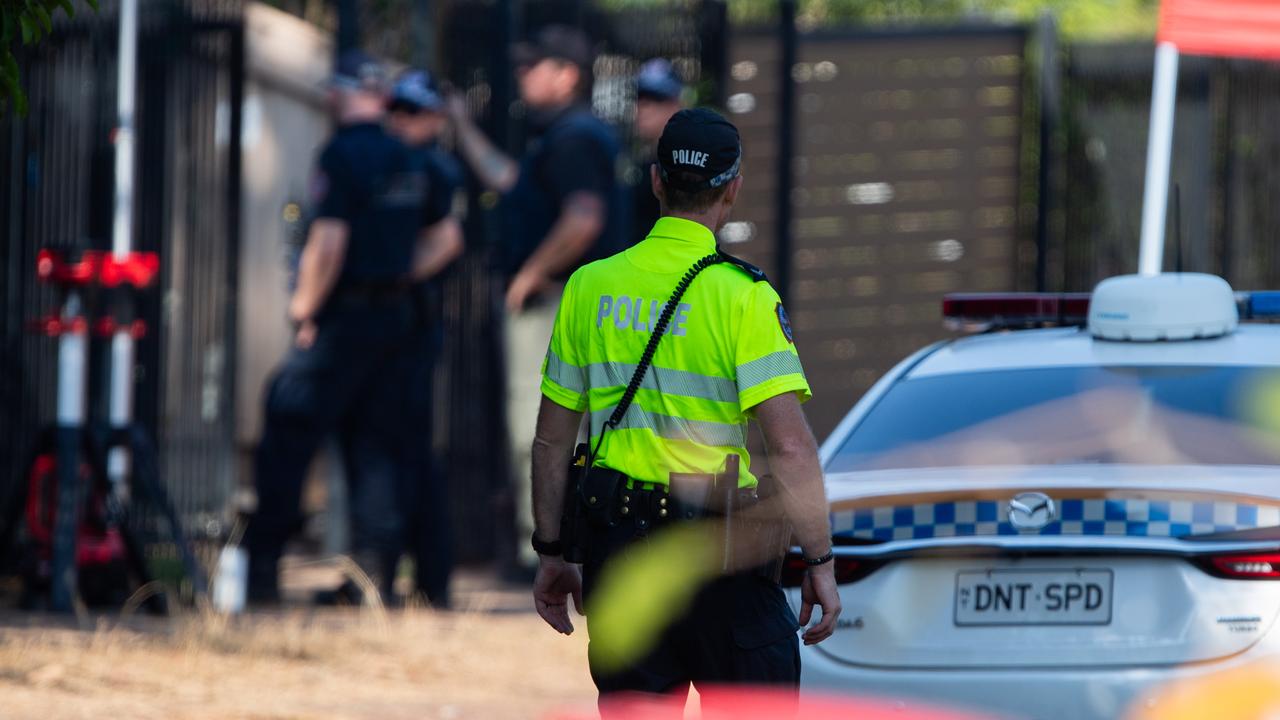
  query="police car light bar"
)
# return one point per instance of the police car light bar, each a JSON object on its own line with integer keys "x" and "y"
{"x": 1166, "y": 307}
{"x": 991, "y": 311}
{"x": 1264, "y": 305}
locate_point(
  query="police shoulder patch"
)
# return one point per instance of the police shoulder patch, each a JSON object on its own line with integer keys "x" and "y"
{"x": 785, "y": 323}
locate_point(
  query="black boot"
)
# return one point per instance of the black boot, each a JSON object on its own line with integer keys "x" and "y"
{"x": 263, "y": 588}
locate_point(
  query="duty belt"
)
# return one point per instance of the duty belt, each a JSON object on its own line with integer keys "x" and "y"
{"x": 650, "y": 505}
{"x": 388, "y": 293}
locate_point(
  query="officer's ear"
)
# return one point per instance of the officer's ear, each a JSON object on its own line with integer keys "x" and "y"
{"x": 655, "y": 184}
{"x": 731, "y": 193}
{"x": 571, "y": 79}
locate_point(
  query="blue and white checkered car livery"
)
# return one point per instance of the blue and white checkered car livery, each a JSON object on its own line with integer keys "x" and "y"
{"x": 1142, "y": 518}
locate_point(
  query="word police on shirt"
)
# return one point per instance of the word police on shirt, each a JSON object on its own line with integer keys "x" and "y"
{"x": 640, "y": 315}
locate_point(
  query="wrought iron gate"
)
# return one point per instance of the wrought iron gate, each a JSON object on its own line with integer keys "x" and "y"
{"x": 58, "y": 162}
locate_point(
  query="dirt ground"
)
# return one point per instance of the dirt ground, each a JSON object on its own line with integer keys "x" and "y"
{"x": 491, "y": 658}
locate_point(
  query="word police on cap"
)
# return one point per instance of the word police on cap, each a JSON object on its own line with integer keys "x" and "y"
{"x": 689, "y": 157}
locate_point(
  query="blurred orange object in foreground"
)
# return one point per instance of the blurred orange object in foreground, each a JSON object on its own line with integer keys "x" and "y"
{"x": 1248, "y": 693}
{"x": 739, "y": 703}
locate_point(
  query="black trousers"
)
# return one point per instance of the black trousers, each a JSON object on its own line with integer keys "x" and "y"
{"x": 739, "y": 629}
{"x": 425, "y": 491}
{"x": 350, "y": 382}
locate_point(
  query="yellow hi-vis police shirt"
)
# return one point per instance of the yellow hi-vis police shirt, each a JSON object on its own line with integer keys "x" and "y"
{"x": 728, "y": 348}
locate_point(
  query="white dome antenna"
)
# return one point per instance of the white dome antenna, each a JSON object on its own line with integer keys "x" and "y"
{"x": 1172, "y": 306}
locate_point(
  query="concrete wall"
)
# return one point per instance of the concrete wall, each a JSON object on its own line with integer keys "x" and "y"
{"x": 285, "y": 122}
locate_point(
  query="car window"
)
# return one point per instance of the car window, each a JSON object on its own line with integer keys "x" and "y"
{"x": 1069, "y": 415}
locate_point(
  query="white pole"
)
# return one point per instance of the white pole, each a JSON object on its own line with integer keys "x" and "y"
{"x": 73, "y": 356}
{"x": 126, "y": 87}
{"x": 121, "y": 396}
{"x": 1164, "y": 93}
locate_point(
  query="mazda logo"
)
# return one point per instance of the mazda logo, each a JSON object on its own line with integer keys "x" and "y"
{"x": 1031, "y": 511}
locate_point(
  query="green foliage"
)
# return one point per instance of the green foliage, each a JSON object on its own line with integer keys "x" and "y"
{"x": 28, "y": 22}
{"x": 1077, "y": 19}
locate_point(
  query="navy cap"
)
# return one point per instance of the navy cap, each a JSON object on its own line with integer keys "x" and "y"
{"x": 417, "y": 90}
{"x": 658, "y": 79}
{"x": 555, "y": 41}
{"x": 358, "y": 70}
{"x": 699, "y": 150}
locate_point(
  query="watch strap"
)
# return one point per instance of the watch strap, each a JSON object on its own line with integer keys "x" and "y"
{"x": 545, "y": 547}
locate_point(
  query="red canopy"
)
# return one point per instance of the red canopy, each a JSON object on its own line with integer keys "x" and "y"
{"x": 1235, "y": 28}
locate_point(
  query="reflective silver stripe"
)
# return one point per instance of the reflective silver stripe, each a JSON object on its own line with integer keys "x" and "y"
{"x": 569, "y": 377}
{"x": 664, "y": 380}
{"x": 783, "y": 362}
{"x": 703, "y": 432}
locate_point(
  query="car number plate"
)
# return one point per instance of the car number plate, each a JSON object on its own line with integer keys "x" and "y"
{"x": 1033, "y": 597}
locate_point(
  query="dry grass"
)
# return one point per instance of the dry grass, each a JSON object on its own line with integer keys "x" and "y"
{"x": 293, "y": 664}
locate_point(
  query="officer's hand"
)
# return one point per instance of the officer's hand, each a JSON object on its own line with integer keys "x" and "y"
{"x": 306, "y": 336}
{"x": 819, "y": 588}
{"x": 555, "y": 582}
{"x": 524, "y": 285}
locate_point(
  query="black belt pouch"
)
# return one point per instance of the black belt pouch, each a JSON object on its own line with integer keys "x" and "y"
{"x": 599, "y": 495}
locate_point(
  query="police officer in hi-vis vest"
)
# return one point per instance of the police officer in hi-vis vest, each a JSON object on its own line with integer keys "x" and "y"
{"x": 669, "y": 347}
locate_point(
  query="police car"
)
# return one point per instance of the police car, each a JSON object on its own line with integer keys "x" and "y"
{"x": 1059, "y": 522}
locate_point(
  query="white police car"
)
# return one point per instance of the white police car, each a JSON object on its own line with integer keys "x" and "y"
{"x": 1053, "y": 523}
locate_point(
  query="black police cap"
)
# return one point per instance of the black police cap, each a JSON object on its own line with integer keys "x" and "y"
{"x": 417, "y": 90}
{"x": 560, "y": 42}
{"x": 357, "y": 70}
{"x": 657, "y": 79}
{"x": 699, "y": 150}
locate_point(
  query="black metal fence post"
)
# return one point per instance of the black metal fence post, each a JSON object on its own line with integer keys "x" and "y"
{"x": 236, "y": 80}
{"x": 786, "y": 145}
{"x": 348, "y": 35}
{"x": 1050, "y": 107}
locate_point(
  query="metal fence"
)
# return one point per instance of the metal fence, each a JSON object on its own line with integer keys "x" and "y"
{"x": 904, "y": 184}
{"x": 475, "y": 36}
{"x": 883, "y": 169}
{"x": 58, "y": 162}
{"x": 1226, "y": 164}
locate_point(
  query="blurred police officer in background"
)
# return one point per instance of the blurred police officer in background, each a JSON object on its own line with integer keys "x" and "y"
{"x": 563, "y": 206}
{"x": 416, "y": 116}
{"x": 659, "y": 95}
{"x": 727, "y": 354}
{"x": 355, "y": 345}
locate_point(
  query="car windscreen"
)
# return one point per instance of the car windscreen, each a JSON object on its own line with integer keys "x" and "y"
{"x": 1068, "y": 415}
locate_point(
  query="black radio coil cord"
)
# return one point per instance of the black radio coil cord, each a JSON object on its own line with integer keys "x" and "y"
{"x": 659, "y": 329}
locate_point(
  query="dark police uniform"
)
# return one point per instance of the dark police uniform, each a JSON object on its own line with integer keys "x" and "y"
{"x": 727, "y": 349}
{"x": 429, "y": 531}
{"x": 645, "y": 209}
{"x": 572, "y": 151}
{"x": 352, "y": 380}
{"x": 656, "y": 80}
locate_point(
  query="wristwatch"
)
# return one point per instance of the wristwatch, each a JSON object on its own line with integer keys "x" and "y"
{"x": 553, "y": 548}
{"x": 821, "y": 560}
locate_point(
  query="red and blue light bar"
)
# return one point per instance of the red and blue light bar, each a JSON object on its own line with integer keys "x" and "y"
{"x": 1259, "y": 305}
{"x": 1006, "y": 310}
{"x": 1020, "y": 310}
